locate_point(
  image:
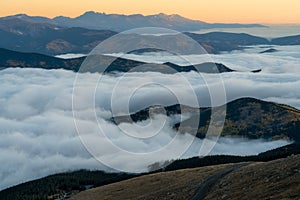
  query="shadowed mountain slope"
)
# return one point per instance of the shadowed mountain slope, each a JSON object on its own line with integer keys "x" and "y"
{"x": 246, "y": 117}
{"x": 26, "y": 34}
{"x": 48, "y": 38}
{"x": 98, "y": 63}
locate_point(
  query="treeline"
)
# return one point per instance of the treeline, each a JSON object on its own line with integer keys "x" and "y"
{"x": 65, "y": 183}
{"x": 62, "y": 183}
{"x": 281, "y": 152}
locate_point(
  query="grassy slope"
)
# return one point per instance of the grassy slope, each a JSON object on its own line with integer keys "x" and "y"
{"x": 250, "y": 118}
{"x": 73, "y": 182}
{"x": 245, "y": 117}
{"x": 181, "y": 184}
{"x": 279, "y": 179}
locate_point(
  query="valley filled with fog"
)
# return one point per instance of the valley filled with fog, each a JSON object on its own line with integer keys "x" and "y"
{"x": 39, "y": 136}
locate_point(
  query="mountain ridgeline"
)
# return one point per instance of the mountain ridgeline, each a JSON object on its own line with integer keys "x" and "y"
{"x": 118, "y": 22}
{"x": 47, "y": 38}
{"x": 245, "y": 118}
{"x": 100, "y": 63}
{"x": 42, "y": 35}
{"x": 33, "y": 42}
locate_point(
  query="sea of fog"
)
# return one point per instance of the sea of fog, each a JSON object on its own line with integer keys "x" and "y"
{"x": 280, "y": 70}
{"x": 270, "y": 31}
{"x": 39, "y": 136}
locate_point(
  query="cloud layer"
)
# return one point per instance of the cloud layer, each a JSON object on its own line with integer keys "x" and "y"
{"x": 39, "y": 136}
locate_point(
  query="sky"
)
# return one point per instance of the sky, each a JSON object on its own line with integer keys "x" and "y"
{"x": 229, "y": 11}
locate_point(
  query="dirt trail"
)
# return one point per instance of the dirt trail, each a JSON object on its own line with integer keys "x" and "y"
{"x": 204, "y": 188}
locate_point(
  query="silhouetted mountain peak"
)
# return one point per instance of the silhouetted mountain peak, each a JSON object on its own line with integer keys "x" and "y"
{"x": 91, "y": 14}
{"x": 21, "y": 15}
{"x": 27, "y": 18}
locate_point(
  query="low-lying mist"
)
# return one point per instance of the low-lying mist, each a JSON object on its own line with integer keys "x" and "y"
{"x": 39, "y": 136}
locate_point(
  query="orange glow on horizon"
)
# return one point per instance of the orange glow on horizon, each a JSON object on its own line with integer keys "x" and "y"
{"x": 227, "y": 11}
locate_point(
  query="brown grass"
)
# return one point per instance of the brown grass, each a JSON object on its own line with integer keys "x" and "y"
{"x": 279, "y": 179}
{"x": 180, "y": 184}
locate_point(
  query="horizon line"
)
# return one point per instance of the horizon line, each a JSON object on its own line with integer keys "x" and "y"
{"x": 145, "y": 15}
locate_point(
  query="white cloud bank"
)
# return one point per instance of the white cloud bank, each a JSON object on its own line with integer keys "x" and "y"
{"x": 38, "y": 134}
{"x": 285, "y": 60}
{"x": 70, "y": 55}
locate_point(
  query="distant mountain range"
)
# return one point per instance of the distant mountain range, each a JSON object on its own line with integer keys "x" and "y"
{"x": 246, "y": 117}
{"x": 36, "y": 34}
{"x": 291, "y": 40}
{"x": 216, "y": 42}
{"x": 118, "y": 22}
{"x": 101, "y": 63}
{"x": 47, "y": 38}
